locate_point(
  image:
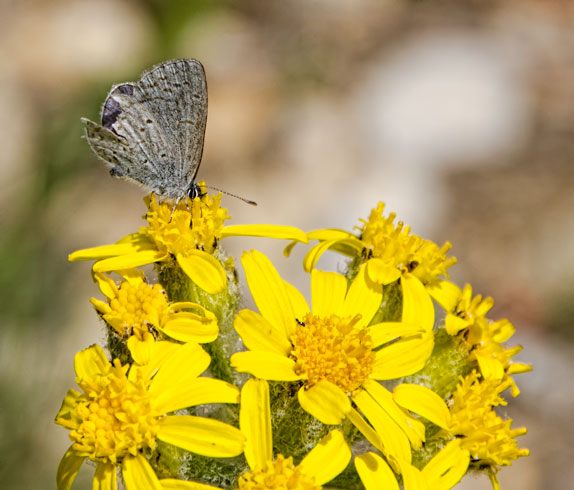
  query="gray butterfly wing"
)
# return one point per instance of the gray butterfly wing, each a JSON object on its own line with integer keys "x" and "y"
{"x": 124, "y": 160}
{"x": 175, "y": 92}
{"x": 126, "y": 116}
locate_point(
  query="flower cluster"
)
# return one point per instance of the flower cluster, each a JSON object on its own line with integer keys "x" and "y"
{"x": 349, "y": 390}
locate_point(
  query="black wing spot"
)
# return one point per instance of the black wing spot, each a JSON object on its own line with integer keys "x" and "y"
{"x": 116, "y": 172}
{"x": 112, "y": 108}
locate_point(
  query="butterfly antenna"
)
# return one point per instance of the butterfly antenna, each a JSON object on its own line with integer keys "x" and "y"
{"x": 247, "y": 201}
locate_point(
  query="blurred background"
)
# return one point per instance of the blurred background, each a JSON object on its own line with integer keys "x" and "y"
{"x": 458, "y": 115}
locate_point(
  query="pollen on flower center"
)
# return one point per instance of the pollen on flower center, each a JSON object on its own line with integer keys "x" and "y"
{"x": 278, "y": 475}
{"x": 178, "y": 230}
{"x": 113, "y": 417}
{"x": 333, "y": 348}
{"x": 136, "y": 306}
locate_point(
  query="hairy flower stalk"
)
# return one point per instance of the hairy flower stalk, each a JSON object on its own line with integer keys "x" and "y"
{"x": 368, "y": 385}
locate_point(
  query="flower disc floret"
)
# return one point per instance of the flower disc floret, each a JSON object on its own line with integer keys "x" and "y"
{"x": 113, "y": 417}
{"x": 280, "y": 474}
{"x": 135, "y": 307}
{"x": 177, "y": 230}
{"x": 397, "y": 248}
{"x": 483, "y": 338}
{"x": 332, "y": 348}
{"x": 488, "y": 438}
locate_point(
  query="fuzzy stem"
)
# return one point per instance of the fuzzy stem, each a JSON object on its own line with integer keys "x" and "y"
{"x": 223, "y": 305}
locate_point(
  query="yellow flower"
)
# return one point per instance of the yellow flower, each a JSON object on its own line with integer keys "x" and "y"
{"x": 188, "y": 234}
{"x": 323, "y": 463}
{"x": 121, "y": 413}
{"x": 333, "y": 353}
{"x": 483, "y": 338}
{"x": 442, "y": 472}
{"x": 489, "y": 439}
{"x": 140, "y": 312}
{"x": 390, "y": 252}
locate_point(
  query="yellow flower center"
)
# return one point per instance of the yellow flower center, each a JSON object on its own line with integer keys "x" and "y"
{"x": 135, "y": 307}
{"x": 177, "y": 231}
{"x": 278, "y": 475}
{"x": 487, "y": 437}
{"x": 113, "y": 417}
{"x": 408, "y": 253}
{"x": 334, "y": 349}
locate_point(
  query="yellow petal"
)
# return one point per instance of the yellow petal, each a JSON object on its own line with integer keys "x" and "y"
{"x": 314, "y": 254}
{"x": 105, "y": 477}
{"x": 445, "y": 293}
{"x": 260, "y": 335}
{"x": 403, "y": 358}
{"x": 126, "y": 261}
{"x": 159, "y": 353}
{"x": 381, "y": 333}
{"x": 208, "y": 437}
{"x": 417, "y": 304}
{"x": 172, "y": 484}
{"x": 141, "y": 350}
{"x": 186, "y": 326}
{"x": 518, "y": 368}
{"x": 328, "y": 291}
{"x": 64, "y": 417}
{"x": 375, "y": 473}
{"x": 133, "y": 276}
{"x": 329, "y": 234}
{"x": 413, "y": 479}
{"x": 101, "y": 307}
{"x": 106, "y": 251}
{"x": 91, "y": 362}
{"x": 326, "y": 402}
{"x": 366, "y": 429}
{"x": 270, "y": 231}
{"x": 448, "y": 467}
{"x": 379, "y": 271}
{"x": 394, "y": 440}
{"x": 364, "y": 297}
{"x": 351, "y": 247}
{"x": 137, "y": 240}
{"x": 198, "y": 391}
{"x": 138, "y": 474}
{"x": 424, "y": 402}
{"x": 188, "y": 362}
{"x": 504, "y": 330}
{"x": 490, "y": 367}
{"x": 265, "y": 365}
{"x": 454, "y": 324}
{"x": 327, "y": 459}
{"x": 204, "y": 270}
{"x": 255, "y": 423}
{"x": 413, "y": 428}
{"x": 298, "y": 302}
{"x": 289, "y": 248}
{"x": 68, "y": 469}
{"x": 268, "y": 290}
{"x": 107, "y": 285}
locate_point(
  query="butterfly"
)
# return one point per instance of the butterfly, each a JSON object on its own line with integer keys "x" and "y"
{"x": 152, "y": 131}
